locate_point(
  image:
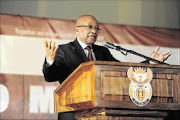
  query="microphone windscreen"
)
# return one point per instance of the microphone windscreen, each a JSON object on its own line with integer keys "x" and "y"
{"x": 104, "y": 43}
{"x": 109, "y": 45}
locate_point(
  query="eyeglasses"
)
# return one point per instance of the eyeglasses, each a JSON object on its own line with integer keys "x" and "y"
{"x": 90, "y": 27}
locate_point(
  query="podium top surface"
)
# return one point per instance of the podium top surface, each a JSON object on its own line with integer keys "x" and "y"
{"x": 112, "y": 63}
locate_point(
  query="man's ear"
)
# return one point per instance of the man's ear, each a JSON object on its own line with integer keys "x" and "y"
{"x": 76, "y": 30}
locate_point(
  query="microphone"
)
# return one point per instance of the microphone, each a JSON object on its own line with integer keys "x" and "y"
{"x": 112, "y": 46}
{"x": 109, "y": 45}
{"x": 118, "y": 48}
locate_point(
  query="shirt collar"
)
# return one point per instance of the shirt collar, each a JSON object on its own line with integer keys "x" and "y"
{"x": 83, "y": 45}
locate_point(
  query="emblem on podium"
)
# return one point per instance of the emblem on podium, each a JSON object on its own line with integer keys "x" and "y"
{"x": 140, "y": 90}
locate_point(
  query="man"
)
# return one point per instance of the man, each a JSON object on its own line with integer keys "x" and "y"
{"x": 62, "y": 60}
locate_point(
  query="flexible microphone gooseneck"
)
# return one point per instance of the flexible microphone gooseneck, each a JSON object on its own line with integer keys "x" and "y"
{"x": 118, "y": 48}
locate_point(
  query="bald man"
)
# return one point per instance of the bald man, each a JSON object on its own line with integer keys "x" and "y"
{"x": 62, "y": 60}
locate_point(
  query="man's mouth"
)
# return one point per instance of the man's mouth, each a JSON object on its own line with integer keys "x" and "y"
{"x": 92, "y": 36}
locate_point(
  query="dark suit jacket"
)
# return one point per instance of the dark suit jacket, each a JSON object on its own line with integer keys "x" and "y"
{"x": 69, "y": 57}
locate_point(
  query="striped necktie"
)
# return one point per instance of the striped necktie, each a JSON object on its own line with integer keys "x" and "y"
{"x": 89, "y": 53}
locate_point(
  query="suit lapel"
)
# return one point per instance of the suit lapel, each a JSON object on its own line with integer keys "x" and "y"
{"x": 94, "y": 47}
{"x": 79, "y": 51}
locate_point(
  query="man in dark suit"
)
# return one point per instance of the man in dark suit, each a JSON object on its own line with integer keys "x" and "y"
{"x": 69, "y": 56}
{"x": 62, "y": 60}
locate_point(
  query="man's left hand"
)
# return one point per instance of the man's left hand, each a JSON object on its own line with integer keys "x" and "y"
{"x": 160, "y": 56}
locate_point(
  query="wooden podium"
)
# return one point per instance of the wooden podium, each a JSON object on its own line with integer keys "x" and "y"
{"x": 99, "y": 90}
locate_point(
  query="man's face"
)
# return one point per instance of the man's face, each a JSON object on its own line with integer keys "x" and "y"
{"x": 87, "y": 29}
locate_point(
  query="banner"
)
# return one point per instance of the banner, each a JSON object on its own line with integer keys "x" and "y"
{"x": 65, "y": 30}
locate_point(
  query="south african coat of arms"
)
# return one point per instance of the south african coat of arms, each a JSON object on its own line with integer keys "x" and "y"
{"x": 140, "y": 90}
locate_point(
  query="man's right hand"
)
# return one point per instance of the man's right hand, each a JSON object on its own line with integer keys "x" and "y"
{"x": 50, "y": 50}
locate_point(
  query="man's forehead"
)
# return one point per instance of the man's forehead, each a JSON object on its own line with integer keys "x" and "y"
{"x": 89, "y": 23}
{"x": 87, "y": 20}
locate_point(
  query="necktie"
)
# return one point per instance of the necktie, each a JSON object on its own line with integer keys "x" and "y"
{"x": 89, "y": 53}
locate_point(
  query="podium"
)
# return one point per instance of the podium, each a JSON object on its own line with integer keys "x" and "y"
{"x": 99, "y": 90}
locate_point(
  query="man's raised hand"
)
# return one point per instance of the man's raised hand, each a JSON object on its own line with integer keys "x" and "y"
{"x": 160, "y": 56}
{"x": 51, "y": 49}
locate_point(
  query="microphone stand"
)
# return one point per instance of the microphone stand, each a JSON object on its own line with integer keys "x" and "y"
{"x": 118, "y": 48}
